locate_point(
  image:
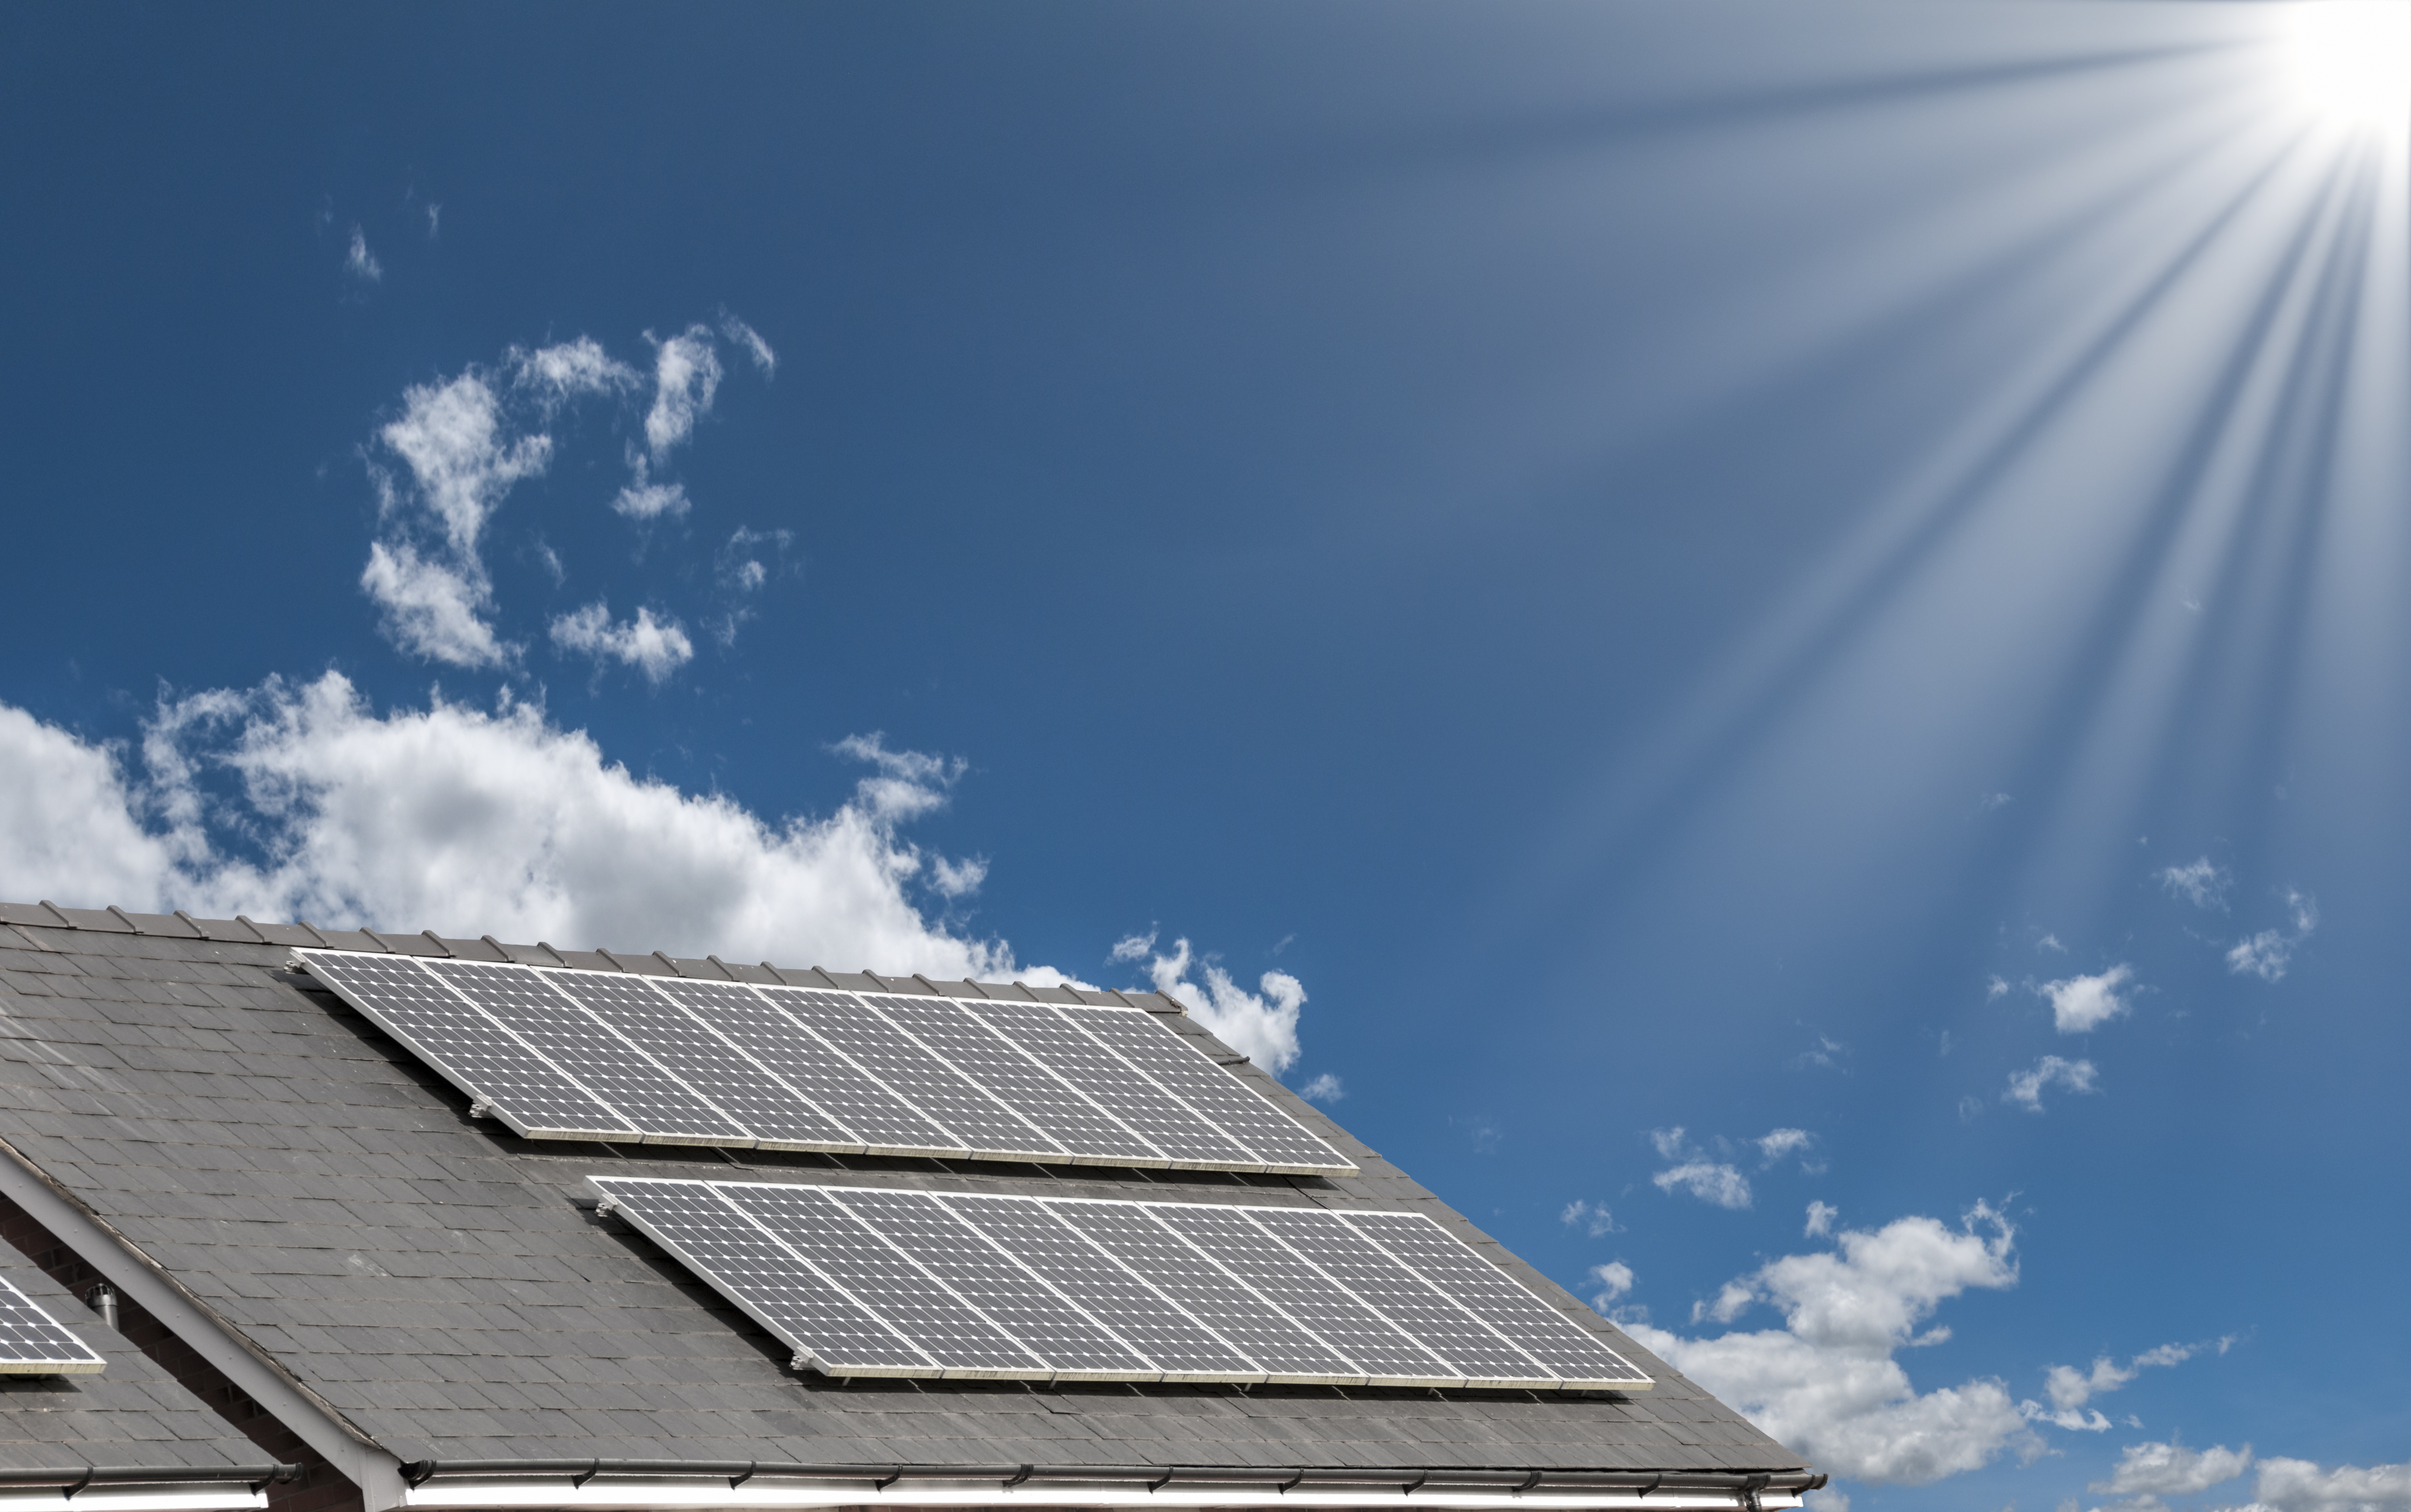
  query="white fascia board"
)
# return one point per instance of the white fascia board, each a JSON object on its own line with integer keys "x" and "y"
{"x": 377, "y": 1473}
{"x": 680, "y": 1494}
{"x": 199, "y": 1496}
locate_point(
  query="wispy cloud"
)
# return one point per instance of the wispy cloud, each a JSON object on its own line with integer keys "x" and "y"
{"x": 1612, "y": 1281}
{"x": 2155, "y": 1470}
{"x": 656, "y": 648}
{"x": 361, "y": 262}
{"x": 1322, "y": 1088}
{"x": 686, "y": 377}
{"x": 2202, "y": 883}
{"x": 2069, "y": 1389}
{"x": 1826, "y": 1382}
{"x": 2026, "y": 1087}
{"x": 1820, "y": 1220}
{"x": 1591, "y": 1217}
{"x": 2079, "y": 1004}
{"x": 644, "y": 499}
{"x": 749, "y": 341}
{"x": 2267, "y": 954}
{"x": 1776, "y": 1144}
{"x": 1708, "y": 1181}
{"x": 2301, "y": 1486}
{"x": 1261, "y": 1025}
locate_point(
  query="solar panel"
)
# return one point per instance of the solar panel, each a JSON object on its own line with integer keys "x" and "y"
{"x": 1568, "y": 1352}
{"x": 770, "y": 1110}
{"x": 837, "y": 1088}
{"x": 631, "y": 1082}
{"x": 467, "y": 1046}
{"x": 1275, "y": 1138}
{"x": 907, "y": 1067}
{"x": 560, "y": 1053}
{"x": 880, "y": 1281}
{"x": 1088, "y": 1133}
{"x": 32, "y": 1343}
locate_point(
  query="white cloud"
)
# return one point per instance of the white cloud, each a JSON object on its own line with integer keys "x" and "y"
{"x": 750, "y": 340}
{"x": 2158, "y": 1470}
{"x": 2025, "y": 1087}
{"x": 570, "y": 370}
{"x": 1708, "y": 1181}
{"x": 1669, "y": 1143}
{"x": 2267, "y": 954}
{"x": 1826, "y": 1384}
{"x": 1261, "y": 1025}
{"x": 2070, "y": 1389}
{"x": 1591, "y": 1217}
{"x": 686, "y": 376}
{"x": 2079, "y": 1004}
{"x": 461, "y": 457}
{"x": 1827, "y": 1500}
{"x": 1994, "y": 988}
{"x": 958, "y": 879}
{"x": 2301, "y": 1486}
{"x": 429, "y": 608}
{"x": 1776, "y": 1143}
{"x": 466, "y": 822}
{"x": 656, "y": 648}
{"x": 1821, "y": 1219}
{"x": 1613, "y": 1280}
{"x": 2200, "y": 883}
{"x": 644, "y": 499}
{"x": 360, "y": 261}
{"x": 1322, "y": 1088}
{"x": 435, "y": 221}
{"x": 2051, "y": 942}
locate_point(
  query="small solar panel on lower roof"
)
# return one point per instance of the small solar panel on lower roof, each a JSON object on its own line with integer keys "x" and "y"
{"x": 886, "y": 1282}
{"x": 33, "y": 1344}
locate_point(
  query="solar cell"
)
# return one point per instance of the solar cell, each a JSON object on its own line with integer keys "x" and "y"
{"x": 886, "y": 1280}
{"x": 768, "y": 1109}
{"x": 903, "y": 1065}
{"x": 898, "y": 1282}
{"x": 1240, "y": 1246}
{"x": 1280, "y": 1141}
{"x": 637, "y": 1086}
{"x": 1171, "y": 1126}
{"x": 1004, "y": 1290}
{"x": 468, "y": 1046}
{"x": 1211, "y": 1295}
{"x": 1470, "y": 1347}
{"x": 1110, "y": 1291}
{"x": 33, "y": 1344}
{"x": 782, "y": 1291}
{"x": 843, "y": 1092}
{"x": 1571, "y": 1352}
{"x": 1042, "y": 1098}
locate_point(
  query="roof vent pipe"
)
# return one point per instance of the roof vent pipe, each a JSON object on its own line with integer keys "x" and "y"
{"x": 103, "y": 1300}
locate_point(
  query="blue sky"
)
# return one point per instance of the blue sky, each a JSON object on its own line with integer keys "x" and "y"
{"x": 1768, "y": 637}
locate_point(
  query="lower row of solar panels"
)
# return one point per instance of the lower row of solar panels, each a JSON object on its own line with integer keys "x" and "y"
{"x": 881, "y": 1281}
{"x": 33, "y": 1344}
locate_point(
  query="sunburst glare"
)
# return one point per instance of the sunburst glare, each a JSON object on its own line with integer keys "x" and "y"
{"x": 2351, "y": 59}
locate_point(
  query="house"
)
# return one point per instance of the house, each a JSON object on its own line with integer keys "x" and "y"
{"x": 341, "y": 1281}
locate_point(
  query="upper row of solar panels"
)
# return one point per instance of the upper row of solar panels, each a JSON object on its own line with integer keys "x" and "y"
{"x": 569, "y": 1054}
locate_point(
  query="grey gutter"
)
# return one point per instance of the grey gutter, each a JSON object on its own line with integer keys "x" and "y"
{"x": 76, "y": 1478}
{"x": 122, "y": 1263}
{"x": 736, "y": 1472}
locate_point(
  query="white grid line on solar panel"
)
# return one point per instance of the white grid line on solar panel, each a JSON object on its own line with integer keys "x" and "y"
{"x": 1469, "y": 1345}
{"x": 768, "y": 1109}
{"x": 1337, "y": 1316}
{"x": 779, "y": 1288}
{"x": 1113, "y": 1293}
{"x": 630, "y": 1082}
{"x": 32, "y": 1343}
{"x": 849, "y": 1095}
{"x": 1568, "y": 1351}
{"x": 1007, "y": 1072}
{"x": 1114, "y": 1084}
{"x": 1190, "y": 1277}
{"x": 977, "y": 1121}
{"x": 1270, "y": 1134}
{"x": 888, "y": 1280}
{"x": 998, "y": 1287}
{"x": 468, "y": 1046}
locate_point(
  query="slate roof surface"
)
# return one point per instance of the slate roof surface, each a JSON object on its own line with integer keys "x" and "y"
{"x": 434, "y": 1279}
{"x": 131, "y": 1413}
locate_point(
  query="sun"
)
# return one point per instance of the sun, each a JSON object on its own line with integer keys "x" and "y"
{"x": 2351, "y": 59}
